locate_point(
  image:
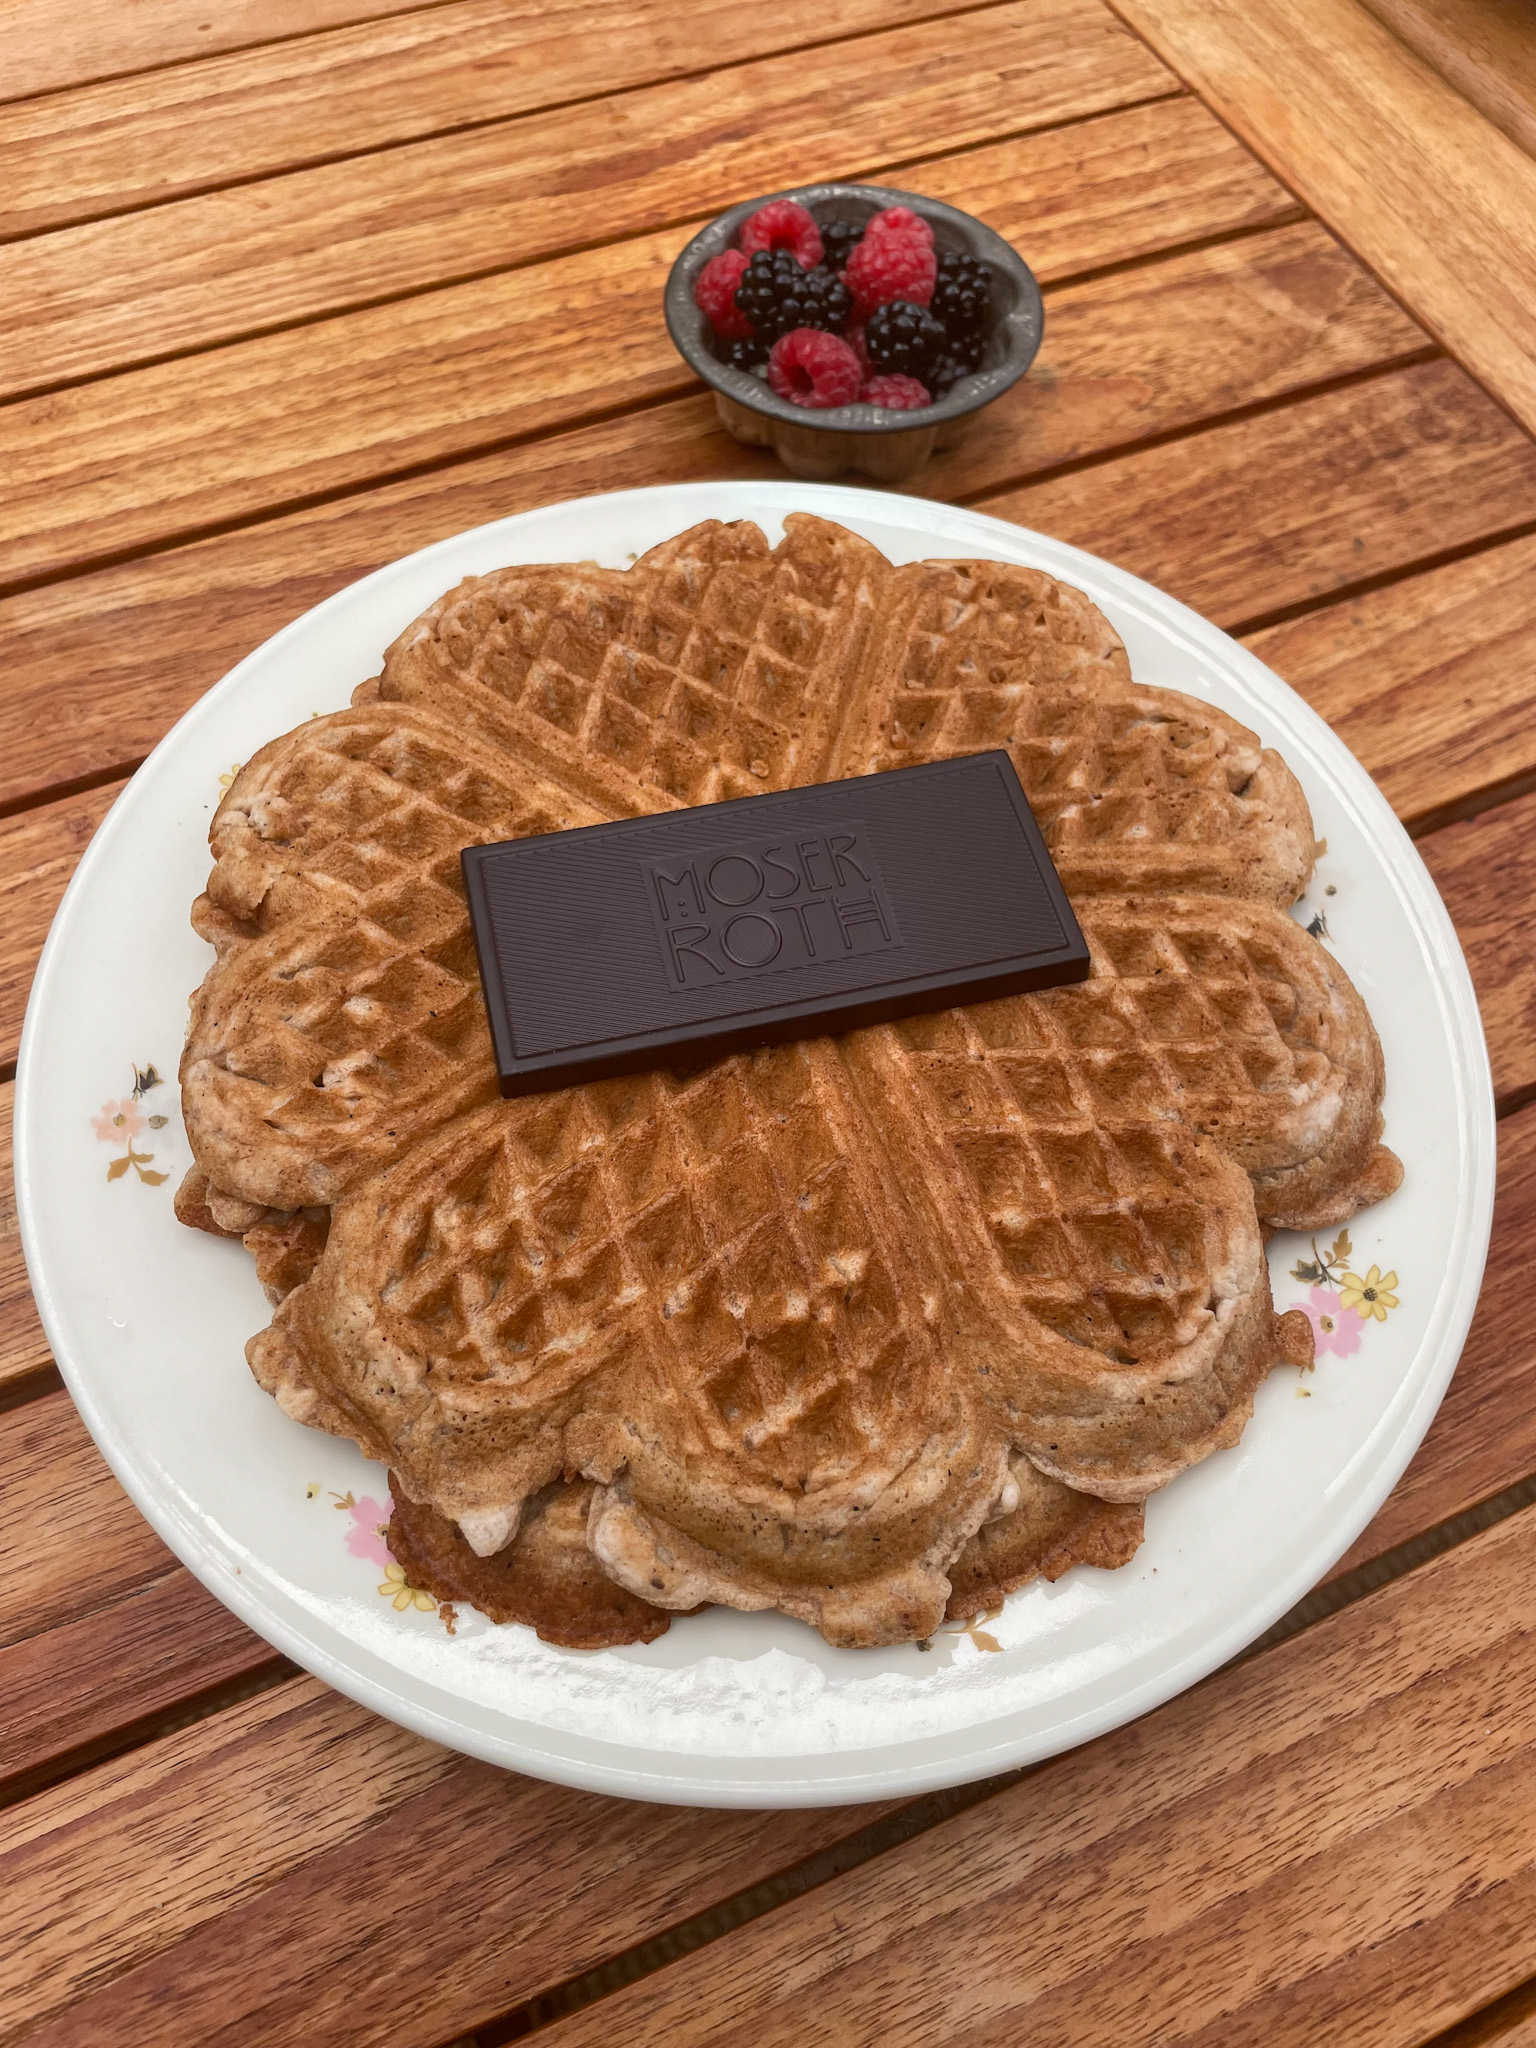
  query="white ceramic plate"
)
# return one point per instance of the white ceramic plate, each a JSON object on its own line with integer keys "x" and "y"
{"x": 148, "y": 1320}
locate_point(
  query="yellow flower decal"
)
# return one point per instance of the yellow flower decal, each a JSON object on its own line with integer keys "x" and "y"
{"x": 396, "y": 1588}
{"x": 1369, "y": 1297}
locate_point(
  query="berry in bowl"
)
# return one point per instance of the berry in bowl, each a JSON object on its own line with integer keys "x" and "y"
{"x": 852, "y": 326}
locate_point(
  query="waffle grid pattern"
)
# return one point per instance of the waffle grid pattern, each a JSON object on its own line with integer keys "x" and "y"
{"x": 1069, "y": 1113}
{"x": 726, "y": 1199}
{"x": 703, "y": 682}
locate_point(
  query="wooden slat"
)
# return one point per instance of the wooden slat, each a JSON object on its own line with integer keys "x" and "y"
{"x": 39, "y": 851}
{"x": 1484, "y": 1437}
{"x": 45, "y": 47}
{"x": 1484, "y": 47}
{"x": 297, "y": 1870}
{"x": 106, "y": 148}
{"x": 122, "y": 462}
{"x": 101, "y": 1629}
{"x": 1117, "y": 188}
{"x": 1437, "y": 200}
{"x": 1428, "y": 679}
{"x": 181, "y": 276}
{"x": 1333, "y": 1842}
{"x": 70, "y": 1538}
{"x": 96, "y": 1681}
{"x": 1486, "y": 871}
{"x": 141, "y": 457}
{"x": 1262, "y": 514}
{"x": 23, "y": 1347}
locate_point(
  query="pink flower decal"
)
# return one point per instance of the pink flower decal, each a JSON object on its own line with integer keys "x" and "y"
{"x": 366, "y": 1536}
{"x": 1332, "y": 1330}
{"x": 119, "y": 1123}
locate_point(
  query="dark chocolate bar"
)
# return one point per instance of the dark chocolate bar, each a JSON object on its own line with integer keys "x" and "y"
{"x": 664, "y": 940}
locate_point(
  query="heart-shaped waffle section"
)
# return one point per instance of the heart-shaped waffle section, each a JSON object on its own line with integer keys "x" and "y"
{"x": 799, "y": 1319}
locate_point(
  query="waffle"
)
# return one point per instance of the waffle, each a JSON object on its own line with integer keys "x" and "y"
{"x": 1134, "y": 789}
{"x": 1051, "y": 1528}
{"x": 800, "y": 1320}
{"x": 546, "y": 1578}
{"x": 654, "y": 1277}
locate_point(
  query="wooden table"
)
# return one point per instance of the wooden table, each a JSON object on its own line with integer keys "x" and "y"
{"x": 290, "y": 288}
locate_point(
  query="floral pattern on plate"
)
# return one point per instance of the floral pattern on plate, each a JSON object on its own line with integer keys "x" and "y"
{"x": 119, "y": 1123}
{"x": 367, "y": 1537}
{"x": 1341, "y": 1304}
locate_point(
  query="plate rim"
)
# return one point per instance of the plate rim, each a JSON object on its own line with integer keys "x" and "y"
{"x": 745, "y": 1782}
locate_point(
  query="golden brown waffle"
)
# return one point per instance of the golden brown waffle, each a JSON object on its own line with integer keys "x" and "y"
{"x": 546, "y": 1577}
{"x": 1051, "y": 1528}
{"x": 1133, "y": 788}
{"x": 793, "y": 1314}
{"x": 538, "y": 1276}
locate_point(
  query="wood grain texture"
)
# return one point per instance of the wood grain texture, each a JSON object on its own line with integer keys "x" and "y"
{"x": 1486, "y": 871}
{"x": 123, "y": 462}
{"x": 107, "y": 148}
{"x": 1484, "y": 1437}
{"x": 133, "y": 1856}
{"x": 1262, "y": 514}
{"x": 45, "y": 47}
{"x": 98, "y": 1680}
{"x": 407, "y": 1893}
{"x": 1428, "y": 680}
{"x": 23, "y": 1347}
{"x": 39, "y": 851}
{"x": 71, "y": 1541}
{"x": 1150, "y": 350}
{"x": 1437, "y": 200}
{"x": 204, "y": 270}
{"x": 1485, "y": 48}
{"x": 1333, "y": 1842}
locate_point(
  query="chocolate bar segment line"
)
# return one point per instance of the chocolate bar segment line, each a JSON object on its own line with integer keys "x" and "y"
{"x": 614, "y": 948}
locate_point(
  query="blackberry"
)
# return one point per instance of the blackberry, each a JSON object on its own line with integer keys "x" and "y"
{"x": 962, "y": 295}
{"x": 746, "y": 355}
{"x": 955, "y": 360}
{"x": 839, "y": 239}
{"x": 777, "y": 296}
{"x": 902, "y": 339}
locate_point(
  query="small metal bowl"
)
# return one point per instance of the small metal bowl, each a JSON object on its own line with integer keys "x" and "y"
{"x": 885, "y": 445}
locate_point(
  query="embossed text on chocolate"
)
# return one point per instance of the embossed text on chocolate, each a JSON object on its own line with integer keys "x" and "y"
{"x": 732, "y": 912}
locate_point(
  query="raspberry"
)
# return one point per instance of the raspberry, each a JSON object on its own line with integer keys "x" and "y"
{"x": 839, "y": 239}
{"x": 814, "y": 369}
{"x": 776, "y": 296}
{"x": 783, "y": 224}
{"x": 962, "y": 296}
{"x": 854, "y": 336}
{"x": 903, "y": 339}
{"x": 901, "y": 220}
{"x": 714, "y": 293}
{"x": 890, "y": 266}
{"x": 896, "y": 394}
